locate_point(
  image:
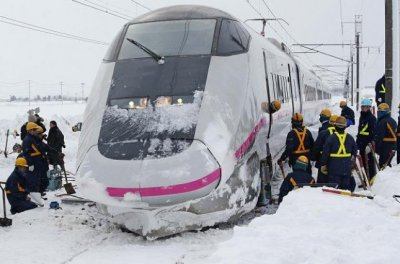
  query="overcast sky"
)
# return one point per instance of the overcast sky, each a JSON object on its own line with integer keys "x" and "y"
{"x": 47, "y": 60}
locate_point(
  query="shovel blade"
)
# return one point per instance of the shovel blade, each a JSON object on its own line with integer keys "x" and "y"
{"x": 69, "y": 188}
{"x": 4, "y": 222}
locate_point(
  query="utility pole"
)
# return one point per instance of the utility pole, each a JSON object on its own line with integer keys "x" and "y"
{"x": 83, "y": 91}
{"x": 358, "y": 26}
{"x": 61, "y": 88}
{"x": 29, "y": 91}
{"x": 352, "y": 76}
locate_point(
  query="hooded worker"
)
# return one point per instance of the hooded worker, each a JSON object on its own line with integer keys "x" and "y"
{"x": 338, "y": 155}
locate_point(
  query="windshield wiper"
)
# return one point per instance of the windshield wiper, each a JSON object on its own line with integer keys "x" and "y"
{"x": 239, "y": 42}
{"x": 155, "y": 56}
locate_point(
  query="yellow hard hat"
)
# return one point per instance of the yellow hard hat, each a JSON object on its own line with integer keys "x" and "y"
{"x": 333, "y": 119}
{"x": 303, "y": 159}
{"x": 384, "y": 107}
{"x": 343, "y": 103}
{"x": 297, "y": 117}
{"x": 21, "y": 162}
{"x": 341, "y": 122}
{"x": 326, "y": 112}
{"x": 31, "y": 126}
{"x": 276, "y": 105}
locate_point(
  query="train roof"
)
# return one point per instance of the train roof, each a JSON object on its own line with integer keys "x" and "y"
{"x": 179, "y": 12}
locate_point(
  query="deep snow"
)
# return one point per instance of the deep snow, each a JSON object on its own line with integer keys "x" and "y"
{"x": 309, "y": 227}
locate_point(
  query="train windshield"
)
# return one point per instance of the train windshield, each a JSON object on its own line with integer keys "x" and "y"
{"x": 169, "y": 38}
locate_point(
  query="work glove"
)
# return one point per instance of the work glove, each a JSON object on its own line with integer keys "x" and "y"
{"x": 380, "y": 100}
{"x": 28, "y": 197}
{"x": 31, "y": 168}
{"x": 324, "y": 170}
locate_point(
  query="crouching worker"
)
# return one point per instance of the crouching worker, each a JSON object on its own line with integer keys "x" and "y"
{"x": 298, "y": 177}
{"x": 17, "y": 194}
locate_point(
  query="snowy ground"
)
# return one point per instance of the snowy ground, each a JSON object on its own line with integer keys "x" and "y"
{"x": 309, "y": 227}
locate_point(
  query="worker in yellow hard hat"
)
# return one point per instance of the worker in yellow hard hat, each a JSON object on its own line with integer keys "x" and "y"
{"x": 385, "y": 136}
{"x": 324, "y": 119}
{"x": 16, "y": 188}
{"x": 297, "y": 178}
{"x": 348, "y": 113}
{"x": 338, "y": 156}
{"x": 299, "y": 141}
{"x": 316, "y": 152}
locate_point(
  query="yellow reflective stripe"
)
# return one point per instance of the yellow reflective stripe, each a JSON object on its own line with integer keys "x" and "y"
{"x": 383, "y": 89}
{"x": 294, "y": 183}
{"x": 19, "y": 187}
{"x": 36, "y": 151}
{"x": 301, "y": 136}
{"x": 342, "y": 152}
{"x": 390, "y": 139}
{"x": 364, "y": 131}
{"x": 331, "y": 130}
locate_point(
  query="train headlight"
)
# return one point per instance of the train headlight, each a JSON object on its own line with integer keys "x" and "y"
{"x": 131, "y": 104}
{"x": 179, "y": 101}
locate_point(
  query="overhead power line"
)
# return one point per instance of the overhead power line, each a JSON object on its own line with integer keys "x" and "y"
{"x": 141, "y": 5}
{"x": 21, "y": 24}
{"x": 103, "y": 9}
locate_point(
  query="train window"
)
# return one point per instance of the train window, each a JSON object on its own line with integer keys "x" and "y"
{"x": 233, "y": 38}
{"x": 169, "y": 38}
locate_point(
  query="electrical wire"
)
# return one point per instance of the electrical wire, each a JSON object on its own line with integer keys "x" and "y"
{"x": 19, "y": 23}
{"x": 139, "y": 4}
{"x": 105, "y": 10}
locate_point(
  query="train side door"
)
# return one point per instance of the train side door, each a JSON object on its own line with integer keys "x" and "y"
{"x": 270, "y": 118}
{"x": 293, "y": 93}
{"x": 299, "y": 88}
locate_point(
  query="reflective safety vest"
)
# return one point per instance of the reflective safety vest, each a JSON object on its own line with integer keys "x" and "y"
{"x": 393, "y": 135}
{"x": 331, "y": 130}
{"x": 35, "y": 152}
{"x": 383, "y": 89}
{"x": 364, "y": 131}
{"x": 301, "y": 136}
{"x": 342, "y": 152}
{"x": 294, "y": 183}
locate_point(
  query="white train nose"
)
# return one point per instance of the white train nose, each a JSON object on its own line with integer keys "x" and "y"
{"x": 186, "y": 176}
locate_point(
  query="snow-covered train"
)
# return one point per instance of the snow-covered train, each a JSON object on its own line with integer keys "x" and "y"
{"x": 174, "y": 132}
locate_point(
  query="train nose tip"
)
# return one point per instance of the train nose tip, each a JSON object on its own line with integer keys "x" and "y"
{"x": 188, "y": 175}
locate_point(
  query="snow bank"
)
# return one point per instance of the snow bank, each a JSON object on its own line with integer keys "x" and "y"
{"x": 387, "y": 182}
{"x": 315, "y": 227}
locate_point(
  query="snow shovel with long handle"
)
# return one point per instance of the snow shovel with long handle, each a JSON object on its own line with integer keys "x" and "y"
{"x": 4, "y": 221}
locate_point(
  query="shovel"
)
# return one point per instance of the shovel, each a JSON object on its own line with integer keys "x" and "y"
{"x": 67, "y": 186}
{"x": 4, "y": 222}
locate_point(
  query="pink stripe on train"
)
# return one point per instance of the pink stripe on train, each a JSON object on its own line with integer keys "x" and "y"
{"x": 250, "y": 139}
{"x": 167, "y": 190}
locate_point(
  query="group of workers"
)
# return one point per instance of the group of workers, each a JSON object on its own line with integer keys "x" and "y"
{"x": 335, "y": 151}
{"x": 26, "y": 186}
